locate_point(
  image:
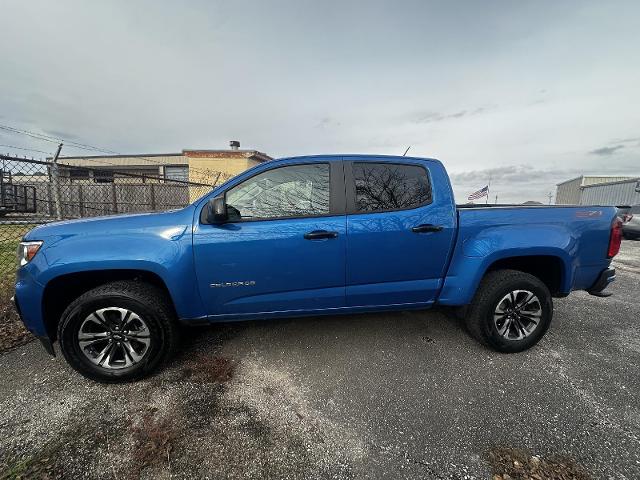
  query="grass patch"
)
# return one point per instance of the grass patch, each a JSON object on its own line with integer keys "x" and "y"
{"x": 154, "y": 440}
{"x": 46, "y": 463}
{"x": 10, "y": 236}
{"x": 40, "y": 466}
{"x": 519, "y": 464}
{"x": 12, "y": 331}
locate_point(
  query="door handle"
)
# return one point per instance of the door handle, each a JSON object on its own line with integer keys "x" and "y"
{"x": 426, "y": 227}
{"x": 320, "y": 234}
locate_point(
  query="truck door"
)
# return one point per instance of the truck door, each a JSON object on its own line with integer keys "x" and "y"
{"x": 283, "y": 248}
{"x": 399, "y": 232}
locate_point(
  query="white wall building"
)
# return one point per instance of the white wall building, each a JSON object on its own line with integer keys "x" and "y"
{"x": 622, "y": 192}
{"x": 570, "y": 192}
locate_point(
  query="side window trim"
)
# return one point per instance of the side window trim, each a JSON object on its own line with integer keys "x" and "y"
{"x": 337, "y": 194}
{"x": 350, "y": 186}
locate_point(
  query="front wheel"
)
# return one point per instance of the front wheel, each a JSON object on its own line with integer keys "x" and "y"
{"x": 510, "y": 312}
{"x": 117, "y": 332}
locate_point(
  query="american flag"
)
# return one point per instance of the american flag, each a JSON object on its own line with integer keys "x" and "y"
{"x": 483, "y": 192}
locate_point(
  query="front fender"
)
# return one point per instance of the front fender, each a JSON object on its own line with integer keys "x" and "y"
{"x": 165, "y": 252}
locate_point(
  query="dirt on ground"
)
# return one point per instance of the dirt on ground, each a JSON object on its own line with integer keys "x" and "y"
{"x": 195, "y": 420}
{"x": 12, "y": 331}
{"x": 519, "y": 464}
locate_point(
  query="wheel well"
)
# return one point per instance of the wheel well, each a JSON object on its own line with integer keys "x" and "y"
{"x": 63, "y": 290}
{"x": 547, "y": 268}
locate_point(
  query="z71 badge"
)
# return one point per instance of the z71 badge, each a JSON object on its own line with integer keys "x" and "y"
{"x": 248, "y": 283}
{"x": 588, "y": 213}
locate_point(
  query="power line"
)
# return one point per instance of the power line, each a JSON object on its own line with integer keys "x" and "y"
{"x": 50, "y": 138}
{"x": 69, "y": 143}
{"x": 30, "y": 134}
{"x": 26, "y": 149}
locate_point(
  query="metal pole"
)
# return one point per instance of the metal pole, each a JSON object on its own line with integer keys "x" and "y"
{"x": 486, "y": 200}
{"x": 56, "y": 183}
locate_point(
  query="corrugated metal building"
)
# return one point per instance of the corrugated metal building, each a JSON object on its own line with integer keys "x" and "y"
{"x": 623, "y": 192}
{"x": 569, "y": 192}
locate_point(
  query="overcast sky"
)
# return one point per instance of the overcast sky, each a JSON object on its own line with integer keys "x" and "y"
{"x": 529, "y": 93}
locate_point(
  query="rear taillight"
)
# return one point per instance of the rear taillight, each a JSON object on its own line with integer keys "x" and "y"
{"x": 615, "y": 239}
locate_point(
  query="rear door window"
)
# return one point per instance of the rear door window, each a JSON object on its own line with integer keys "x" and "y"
{"x": 383, "y": 187}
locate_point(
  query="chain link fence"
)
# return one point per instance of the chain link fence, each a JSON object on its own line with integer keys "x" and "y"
{"x": 33, "y": 192}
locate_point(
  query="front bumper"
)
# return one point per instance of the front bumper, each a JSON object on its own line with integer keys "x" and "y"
{"x": 606, "y": 277}
{"x": 44, "y": 339}
{"x": 28, "y": 300}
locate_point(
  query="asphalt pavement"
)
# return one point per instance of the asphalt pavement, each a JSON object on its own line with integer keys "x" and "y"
{"x": 391, "y": 395}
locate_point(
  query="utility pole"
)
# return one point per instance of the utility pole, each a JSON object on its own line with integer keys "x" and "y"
{"x": 496, "y": 199}
{"x": 56, "y": 184}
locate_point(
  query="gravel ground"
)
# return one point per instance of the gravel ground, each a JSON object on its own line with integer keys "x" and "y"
{"x": 403, "y": 395}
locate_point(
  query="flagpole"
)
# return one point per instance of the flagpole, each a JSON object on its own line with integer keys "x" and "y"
{"x": 486, "y": 200}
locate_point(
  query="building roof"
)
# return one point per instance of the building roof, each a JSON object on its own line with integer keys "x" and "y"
{"x": 626, "y": 180}
{"x": 133, "y": 160}
{"x": 123, "y": 155}
{"x": 583, "y": 177}
{"x": 253, "y": 154}
{"x": 150, "y": 159}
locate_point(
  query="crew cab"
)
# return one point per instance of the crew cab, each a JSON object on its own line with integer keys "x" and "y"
{"x": 315, "y": 235}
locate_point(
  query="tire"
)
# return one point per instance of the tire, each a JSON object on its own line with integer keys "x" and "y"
{"x": 494, "y": 295}
{"x": 139, "y": 341}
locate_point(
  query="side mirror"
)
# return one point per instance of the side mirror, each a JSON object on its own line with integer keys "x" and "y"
{"x": 217, "y": 210}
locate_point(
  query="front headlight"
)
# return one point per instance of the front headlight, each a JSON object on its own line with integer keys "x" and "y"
{"x": 27, "y": 250}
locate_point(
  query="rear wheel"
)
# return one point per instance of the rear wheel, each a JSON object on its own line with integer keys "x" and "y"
{"x": 117, "y": 332}
{"x": 511, "y": 311}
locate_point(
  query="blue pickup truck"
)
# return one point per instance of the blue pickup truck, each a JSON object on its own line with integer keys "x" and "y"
{"x": 306, "y": 236}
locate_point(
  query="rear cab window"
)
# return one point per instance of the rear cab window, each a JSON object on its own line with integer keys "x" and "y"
{"x": 386, "y": 187}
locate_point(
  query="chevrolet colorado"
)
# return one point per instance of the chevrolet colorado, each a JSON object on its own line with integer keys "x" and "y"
{"x": 306, "y": 236}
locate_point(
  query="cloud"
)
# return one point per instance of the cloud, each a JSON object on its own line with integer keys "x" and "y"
{"x": 518, "y": 183}
{"x": 509, "y": 173}
{"x": 327, "y": 122}
{"x": 429, "y": 117}
{"x": 458, "y": 90}
{"x": 66, "y": 135}
{"x": 626, "y": 140}
{"x": 606, "y": 151}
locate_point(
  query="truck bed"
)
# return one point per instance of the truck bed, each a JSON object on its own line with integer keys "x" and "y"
{"x": 576, "y": 235}
{"x": 517, "y": 205}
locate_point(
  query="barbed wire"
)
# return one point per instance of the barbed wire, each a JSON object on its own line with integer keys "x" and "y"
{"x": 25, "y": 149}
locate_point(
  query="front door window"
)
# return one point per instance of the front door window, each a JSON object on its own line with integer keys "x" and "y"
{"x": 285, "y": 192}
